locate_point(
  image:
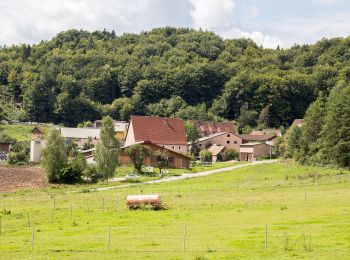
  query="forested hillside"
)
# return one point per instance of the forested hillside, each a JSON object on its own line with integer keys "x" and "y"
{"x": 79, "y": 76}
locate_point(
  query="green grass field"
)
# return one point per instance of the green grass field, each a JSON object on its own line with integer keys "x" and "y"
{"x": 306, "y": 210}
{"x": 20, "y": 132}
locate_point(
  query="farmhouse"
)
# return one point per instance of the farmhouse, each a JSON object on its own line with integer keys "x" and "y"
{"x": 224, "y": 139}
{"x": 176, "y": 159}
{"x": 252, "y": 151}
{"x": 120, "y": 128}
{"x": 168, "y": 133}
{"x": 258, "y": 138}
{"x": 80, "y": 135}
{"x": 207, "y": 128}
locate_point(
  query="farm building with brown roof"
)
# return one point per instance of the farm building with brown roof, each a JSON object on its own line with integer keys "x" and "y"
{"x": 210, "y": 127}
{"x": 176, "y": 159}
{"x": 168, "y": 133}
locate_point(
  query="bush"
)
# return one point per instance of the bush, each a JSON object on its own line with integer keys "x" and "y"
{"x": 230, "y": 154}
{"x": 91, "y": 173}
{"x": 19, "y": 158}
{"x": 69, "y": 174}
{"x": 205, "y": 156}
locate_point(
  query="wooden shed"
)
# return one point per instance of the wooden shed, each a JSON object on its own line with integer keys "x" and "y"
{"x": 176, "y": 160}
{"x": 251, "y": 151}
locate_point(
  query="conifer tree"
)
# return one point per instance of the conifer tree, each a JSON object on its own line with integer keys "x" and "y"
{"x": 335, "y": 137}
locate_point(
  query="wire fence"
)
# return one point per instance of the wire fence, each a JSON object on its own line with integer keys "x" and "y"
{"x": 199, "y": 238}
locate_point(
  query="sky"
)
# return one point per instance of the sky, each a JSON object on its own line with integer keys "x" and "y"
{"x": 269, "y": 23}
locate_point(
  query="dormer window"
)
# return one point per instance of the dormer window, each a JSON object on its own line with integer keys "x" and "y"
{"x": 228, "y": 135}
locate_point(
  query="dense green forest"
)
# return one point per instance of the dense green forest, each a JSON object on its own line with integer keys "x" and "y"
{"x": 80, "y": 75}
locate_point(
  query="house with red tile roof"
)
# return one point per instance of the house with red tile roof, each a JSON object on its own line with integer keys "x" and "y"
{"x": 164, "y": 132}
{"x": 208, "y": 128}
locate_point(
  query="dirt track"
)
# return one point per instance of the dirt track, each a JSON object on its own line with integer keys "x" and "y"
{"x": 21, "y": 177}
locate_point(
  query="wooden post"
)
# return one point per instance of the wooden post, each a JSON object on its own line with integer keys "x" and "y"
{"x": 185, "y": 237}
{"x": 103, "y": 204}
{"x": 71, "y": 213}
{"x": 28, "y": 220}
{"x": 266, "y": 236}
{"x": 305, "y": 198}
{"x": 52, "y": 216}
{"x": 116, "y": 203}
{"x": 33, "y": 238}
{"x": 54, "y": 203}
{"x": 109, "y": 238}
{"x": 87, "y": 204}
{"x": 0, "y": 226}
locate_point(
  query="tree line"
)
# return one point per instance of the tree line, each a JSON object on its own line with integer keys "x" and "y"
{"x": 193, "y": 74}
{"x": 324, "y": 137}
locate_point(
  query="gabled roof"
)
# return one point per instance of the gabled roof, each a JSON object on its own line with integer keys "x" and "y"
{"x": 159, "y": 130}
{"x": 211, "y": 127}
{"x": 254, "y": 144}
{"x": 80, "y": 133}
{"x": 215, "y": 135}
{"x": 258, "y": 138}
{"x": 215, "y": 150}
{"x": 37, "y": 130}
{"x": 155, "y": 145}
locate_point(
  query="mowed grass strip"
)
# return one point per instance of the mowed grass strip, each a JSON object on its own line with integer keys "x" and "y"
{"x": 306, "y": 210}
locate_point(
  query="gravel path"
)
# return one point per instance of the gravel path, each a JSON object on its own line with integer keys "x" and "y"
{"x": 186, "y": 175}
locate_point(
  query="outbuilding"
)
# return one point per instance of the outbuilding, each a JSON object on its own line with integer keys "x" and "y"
{"x": 176, "y": 159}
{"x": 252, "y": 151}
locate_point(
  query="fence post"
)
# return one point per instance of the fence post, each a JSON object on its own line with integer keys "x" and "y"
{"x": 0, "y": 225}
{"x": 109, "y": 237}
{"x": 33, "y": 238}
{"x": 54, "y": 203}
{"x": 185, "y": 237}
{"x": 305, "y": 198}
{"x": 28, "y": 220}
{"x": 266, "y": 236}
{"x": 103, "y": 204}
{"x": 71, "y": 213}
{"x": 52, "y": 216}
{"x": 87, "y": 204}
{"x": 116, "y": 203}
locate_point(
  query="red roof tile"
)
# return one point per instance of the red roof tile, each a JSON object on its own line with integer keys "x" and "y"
{"x": 159, "y": 130}
{"x": 258, "y": 137}
{"x": 211, "y": 127}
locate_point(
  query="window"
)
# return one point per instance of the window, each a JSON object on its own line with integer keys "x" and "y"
{"x": 200, "y": 144}
{"x": 179, "y": 147}
{"x": 37, "y": 142}
{"x": 235, "y": 142}
{"x": 173, "y": 146}
{"x": 228, "y": 142}
{"x": 228, "y": 135}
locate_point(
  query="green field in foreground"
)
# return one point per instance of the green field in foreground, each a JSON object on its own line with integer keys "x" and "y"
{"x": 306, "y": 210}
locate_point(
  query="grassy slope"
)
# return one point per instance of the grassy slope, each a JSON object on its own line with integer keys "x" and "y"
{"x": 20, "y": 132}
{"x": 225, "y": 216}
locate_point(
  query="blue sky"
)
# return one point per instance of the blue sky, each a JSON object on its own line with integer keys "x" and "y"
{"x": 270, "y": 23}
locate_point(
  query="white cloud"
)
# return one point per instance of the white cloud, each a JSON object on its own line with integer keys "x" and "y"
{"x": 295, "y": 29}
{"x": 218, "y": 16}
{"x": 211, "y": 14}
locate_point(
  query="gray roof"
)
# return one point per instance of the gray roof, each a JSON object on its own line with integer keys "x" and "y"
{"x": 80, "y": 133}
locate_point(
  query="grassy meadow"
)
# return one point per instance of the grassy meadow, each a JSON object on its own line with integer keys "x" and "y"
{"x": 303, "y": 211}
{"x": 20, "y": 132}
